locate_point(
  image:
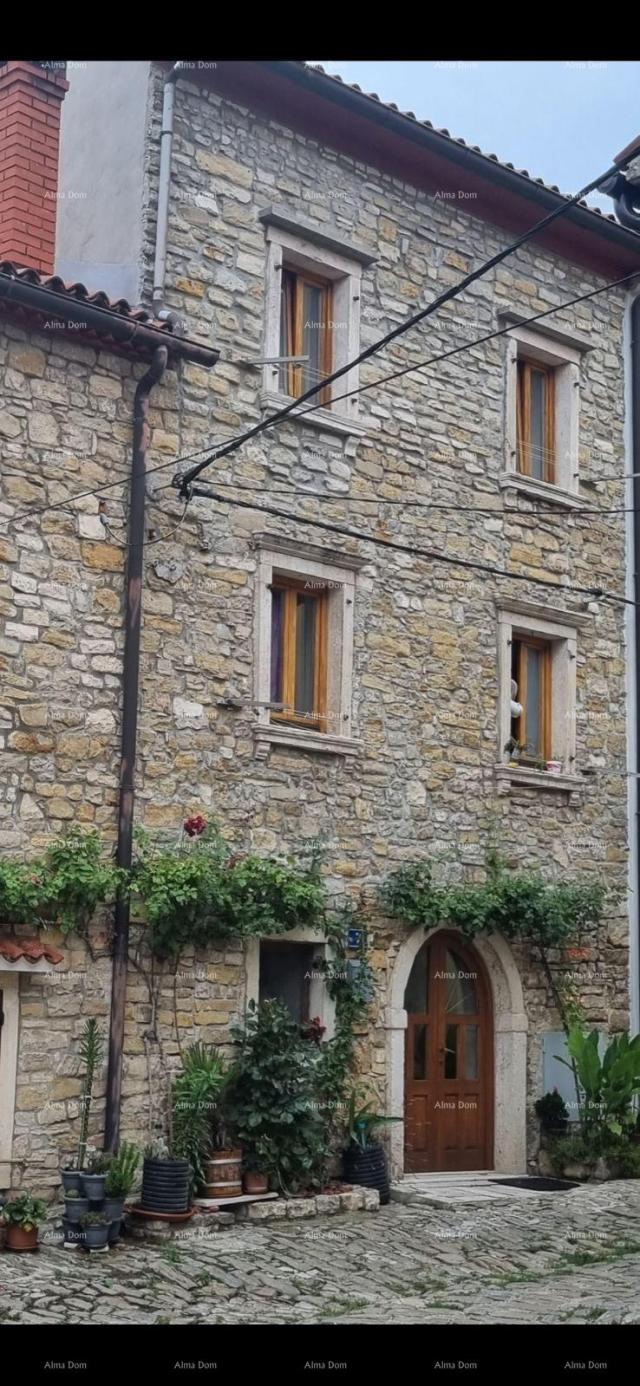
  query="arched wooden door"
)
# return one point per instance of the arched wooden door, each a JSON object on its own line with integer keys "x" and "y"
{"x": 448, "y": 1059}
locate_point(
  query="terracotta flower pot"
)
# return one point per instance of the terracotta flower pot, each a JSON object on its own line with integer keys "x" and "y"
{"x": 21, "y": 1238}
{"x": 255, "y": 1183}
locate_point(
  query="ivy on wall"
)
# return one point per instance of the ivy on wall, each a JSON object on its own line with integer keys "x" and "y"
{"x": 518, "y": 905}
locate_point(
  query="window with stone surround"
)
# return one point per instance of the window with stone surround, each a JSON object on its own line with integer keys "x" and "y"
{"x": 542, "y": 409}
{"x": 313, "y": 294}
{"x": 291, "y": 970}
{"x": 304, "y": 614}
{"x": 537, "y": 693}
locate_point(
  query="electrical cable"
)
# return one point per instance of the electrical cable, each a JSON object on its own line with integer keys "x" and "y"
{"x": 463, "y": 346}
{"x": 436, "y": 557}
{"x": 398, "y": 331}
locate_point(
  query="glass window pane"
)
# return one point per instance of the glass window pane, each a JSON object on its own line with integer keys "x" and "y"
{"x": 305, "y": 655}
{"x": 277, "y": 624}
{"x": 451, "y": 1052}
{"x": 420, "y": 1052}
{"x": 471, "y": 1051}
{"x": 460, "y": 993}
{"x": 313, "y": 329}
{"x": 534, "y": 701}
{"x": 538, "y": 402}
{"x": 416, "y": 996}
{"x": 285, "y": 970}
{"x": 287, "y": 331}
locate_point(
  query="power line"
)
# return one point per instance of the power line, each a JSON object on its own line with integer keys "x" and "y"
{"x": 395, "y": 332}
{"x": 414, "y": 551}
{"x": 463, "y": 346}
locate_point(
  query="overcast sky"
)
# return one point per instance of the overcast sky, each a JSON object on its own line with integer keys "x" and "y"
{"x": 561, "y": 121}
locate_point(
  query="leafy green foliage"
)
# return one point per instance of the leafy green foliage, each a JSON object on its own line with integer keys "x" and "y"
{"x": 363, "y": 1119}
{"x": 606, "y": 1085}
{"x": 271, "y": 1101}
{"x": 195, "y": 1099}
{"x": 121, "y": 1171}
{"x": 196, "y": 893}
{"x": 24, "y": 1211}
{"x": 515, "y": 905}
{"x": 62, "y": 887}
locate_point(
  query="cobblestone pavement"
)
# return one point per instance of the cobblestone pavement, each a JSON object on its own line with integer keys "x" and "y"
{"x": 564, "y": 1258}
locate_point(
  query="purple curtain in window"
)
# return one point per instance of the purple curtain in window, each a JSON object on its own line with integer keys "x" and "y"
{"x": 277, "y": 605}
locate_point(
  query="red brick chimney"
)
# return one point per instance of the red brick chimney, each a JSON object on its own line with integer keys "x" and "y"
{"x": 31, "y": 97}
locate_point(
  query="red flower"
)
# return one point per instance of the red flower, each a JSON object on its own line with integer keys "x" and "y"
{"x": 194, "y": 826}
{"x": 314, "y": 1029}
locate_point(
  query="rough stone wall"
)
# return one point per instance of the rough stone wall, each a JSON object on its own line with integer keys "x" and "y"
{"x": 425, "y": 648}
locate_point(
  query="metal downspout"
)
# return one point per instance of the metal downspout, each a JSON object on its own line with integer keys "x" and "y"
{"x": 130, "y": 690}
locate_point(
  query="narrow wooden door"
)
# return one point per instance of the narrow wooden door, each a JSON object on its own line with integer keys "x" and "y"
{"x": 448, "y": 1059}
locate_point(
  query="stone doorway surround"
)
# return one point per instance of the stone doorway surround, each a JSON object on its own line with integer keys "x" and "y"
{"x": 510, "y": 1050}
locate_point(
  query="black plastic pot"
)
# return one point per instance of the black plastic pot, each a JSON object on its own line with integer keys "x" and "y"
{"x": 75, "y": 1208}
{"x": 72, "y": 1179}
{"x": 367, "y": 1167}
{"x": 94, "y": 1186}
{"x": 165, "y": 1186}
{"x": 113, "y": 1208}
{"x": 96, "y": 1237}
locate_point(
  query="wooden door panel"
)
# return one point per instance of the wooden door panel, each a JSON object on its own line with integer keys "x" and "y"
{"x": 448, "y": 1061}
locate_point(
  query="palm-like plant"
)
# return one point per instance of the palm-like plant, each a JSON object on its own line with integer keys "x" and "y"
{"x": 91, "y": 1049}
{"x": 362, "y": 1119}
{"x": 195, "y": 1096}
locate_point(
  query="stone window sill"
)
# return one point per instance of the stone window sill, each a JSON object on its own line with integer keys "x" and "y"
{"x": 328, "y": 420}
{"x": 508, "y": 776}
{"x": 267, "y": 735}
{"x": 541, "y": 490}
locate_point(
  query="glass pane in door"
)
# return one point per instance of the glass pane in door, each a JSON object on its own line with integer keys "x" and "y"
{"x": 416, "y": 996}
{"x": 313, "y": 330}
{"x": 461, "y": 992}
{"x": 305, "y": 656}
{"x": 471, "y": 1051}
{"x": 534, "y": 700}
{"x": 451, "y": 1052}
{"x": 420, "y": 1052}
{"x": 538, "y": 403}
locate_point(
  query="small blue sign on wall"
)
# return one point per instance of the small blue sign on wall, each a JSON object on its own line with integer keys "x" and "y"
{"x": 354, "y": 938}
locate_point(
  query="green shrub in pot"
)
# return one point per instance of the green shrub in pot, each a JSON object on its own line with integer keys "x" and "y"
{"x": 120, "y": 1179}
{"x": 96, "y": 1229}
{"x": 22, "y": 1216}
{"x": 196, "y": 1097}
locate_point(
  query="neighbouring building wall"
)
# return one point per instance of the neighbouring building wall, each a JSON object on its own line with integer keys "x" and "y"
{"x": 420, "y": 776}
{"x": 101, "y": 188}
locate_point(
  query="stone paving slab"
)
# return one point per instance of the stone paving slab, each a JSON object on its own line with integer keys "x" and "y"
{"x": 569, "y": 1258}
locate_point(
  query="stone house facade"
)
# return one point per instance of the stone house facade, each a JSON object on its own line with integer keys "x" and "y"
{"x": 437, "y": 550}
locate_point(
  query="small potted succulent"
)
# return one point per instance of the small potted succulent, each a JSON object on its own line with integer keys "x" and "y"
{"x": 96, "y": 1230}
{"x": 22, "y": 1216}
{"x": 76, "y": 1204}
{"x": 94, "y": 1175}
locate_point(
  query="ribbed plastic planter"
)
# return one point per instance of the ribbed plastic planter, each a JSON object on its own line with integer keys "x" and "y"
{"x": 368, "y": 1168}
{"x": 165, "y": 1186}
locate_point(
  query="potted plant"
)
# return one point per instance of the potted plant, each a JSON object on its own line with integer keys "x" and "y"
{"x": 166, "y": 1181}
{"x": 94, "y": 1176}
{"x": 553, "y": 1113}
{"x": 96, "y": 1230}
{"x": 22, "y": 1216}
{"x": 256, "y": 1164}
{"x": 76, "y": 1204}
{"x": 363, "y": 1157}
{"x": 91, "y": 1047}
{"x": 195, "y": 1106}
{"x": 514, "y": 748}
{"x": 120, "y": 1179}
{"x": 270, "y": 1100}
{"x": 554, "y": 767}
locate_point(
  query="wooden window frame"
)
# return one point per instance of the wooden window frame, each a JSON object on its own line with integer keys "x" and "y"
{"x": 525, "y": 641}
{"x": 293, "y": 375}
{"x": 525, "y": 367}
{"x": 291, "y": 588}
